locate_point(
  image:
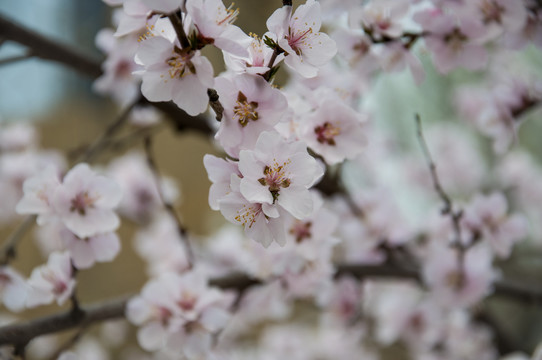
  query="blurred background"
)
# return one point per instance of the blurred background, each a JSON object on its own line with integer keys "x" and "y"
{"x": 68, "y": 114}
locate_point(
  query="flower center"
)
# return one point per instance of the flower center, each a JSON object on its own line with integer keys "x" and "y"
{"x": 245, "y": 111}
{"x": 491, "y": 11}
{"x": 301, "y": 230}
{"x": 455, "y": 279}
{"x": 325, "y": 134}
{"x": 455, "y": 39}
{"x": 81, "y": 202}
{"x": 275, "y": 178}
{"x": 247, "y": 214}
{"x": 179, "y": 63}
{"x": 298, "y": 38}
{"x": 187, "y": 301}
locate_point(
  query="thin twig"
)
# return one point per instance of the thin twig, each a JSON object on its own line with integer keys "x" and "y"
{"x": 9, "y": 249}
{"x": 216, "y": 105}
{"x": 167, "y": 205}
{"x": 102, "y": 140}
{"x": 15, "y": 59}
{"x": 448, "y": 209}
{"x": 176, "y": 20}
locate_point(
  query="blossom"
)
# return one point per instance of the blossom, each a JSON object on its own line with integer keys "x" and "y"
{"x": 52, "y": 281}
{"x": 219, "y": 172}
{"x": 172, "y": 73}
{"x": 13, "y": 289}
{"x": 84, "y": 252}
{"x": 214, "y": 23}
{"x": 141, "y": 199}
{"x": 257, "y": 225}
{"x": 251, "y": 106}
{"x": 38, "y": 193}
{"x": 178, "y": 313}
{"x": 257, "y": 61}
{"x": 85, "y": 202}
{"x": 334, "y": 131}
{"x": 452, "y": 44}
{"x": 298, "y": 35}
{"x": 486, "y": 217}
{"x": 459, "y": 283}
{"x": 117, "y": 79}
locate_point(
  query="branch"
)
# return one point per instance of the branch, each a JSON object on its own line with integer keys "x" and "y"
{"x": 14, "y": 59}
{"x": 20, "y": 334}
{"x": 10, "y": 245}
{"x": 48, "y": 49}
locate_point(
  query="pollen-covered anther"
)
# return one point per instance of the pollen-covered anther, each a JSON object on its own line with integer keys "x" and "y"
{"x": 245, "y": 111}
{"x": 297, "y": 39}
{"x": 325, "y": 134}
{"x": 275, "y": 179}
{"x": 229, "y": 17}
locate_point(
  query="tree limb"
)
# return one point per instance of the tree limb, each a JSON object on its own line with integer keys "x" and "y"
{"x": 48, "y": 49}
{"x": 20, "y": 334}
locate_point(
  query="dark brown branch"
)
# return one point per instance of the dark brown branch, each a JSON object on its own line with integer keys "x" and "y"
{"x": 45, "y": 48}
{"x": 48, "y": 49}
{"x": 20, "y": 334}
{"x": 177, "y": 22}
{"x": 286, "y": 2}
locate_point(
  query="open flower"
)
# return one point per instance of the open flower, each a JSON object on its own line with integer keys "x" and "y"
{"x": 51, "y": 282}
{"x": 251, "y": 106}
{"x": 172, "y": 73}
{"x": 334, "y": 131}
{"x": 280, "y": 173}
{"x": 85, "y": 202}
{"x": 298, "y": 35}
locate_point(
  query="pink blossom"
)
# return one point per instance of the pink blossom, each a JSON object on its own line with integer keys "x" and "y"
{"x": 279, "y": 173}
{"x": 84, "y": 252}
{"x": 51, "y": 282}
{"x": 117, "y": 79}
{"x": 257, "y": 61}
{"x": 453, "y": 42}
{"x": 172, "y": 73}
{"x": 486, "y": 217}
{"x": 38, "y": 193}
{"x": 381, "y": 18}
{"x": 141, "y": 199}
{"x": 257, "y": 225}
{"x": 179, "y": 314}
{"x": 251, "y": 106}
{"x": 334, "y": 131}
{"x": 85, "y": 202}
{"x": 214, "y": 23}
{"x": 298, "y": 35}
{"x": 161, "y": 246}
{"x": 459, "y": 283}
{"x": 13, "y": 289}
{"x": 220, "y": 172}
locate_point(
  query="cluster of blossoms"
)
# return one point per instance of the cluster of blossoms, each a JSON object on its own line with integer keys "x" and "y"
{"x": 315, "y": 182}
